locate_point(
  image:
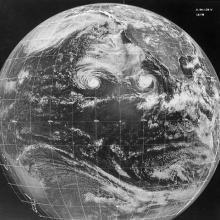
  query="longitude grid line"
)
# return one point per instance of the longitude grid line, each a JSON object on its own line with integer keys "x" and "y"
{"x": 60, "y": 192}
{"x": 23, "y": 194}
{"x": 2, "y": 137}
{"x": 143, "y": 150}
{"x": 13, "y": 188}
{"x": 119, "y": 106}
{"x": 16, "y": 142}
{"x": 120, "y": 140}
{"x": 191, "y": 200}
{"x": 164, "y": 142}
{"x": 32, "y": 141}
{"x": 77, "y": 183}
{"x": 9, "y": 167}
{"x": 165, "y": 117}
{"x": 143, "y": 142}
{"x": 120, "y": 123}
{"x": 96, "y": 136}
{"x": 201, "y": 187}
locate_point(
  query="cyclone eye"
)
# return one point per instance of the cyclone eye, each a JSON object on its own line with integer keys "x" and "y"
{"x": 145, "y": 82}
{"x": 87, "y": 80}
{"x": 93, "y": 83}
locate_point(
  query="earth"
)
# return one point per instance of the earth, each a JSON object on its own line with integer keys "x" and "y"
{"x": 109, "y": 111}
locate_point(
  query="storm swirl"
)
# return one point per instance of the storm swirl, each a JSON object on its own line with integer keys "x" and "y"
{"x": 109, "y": 111}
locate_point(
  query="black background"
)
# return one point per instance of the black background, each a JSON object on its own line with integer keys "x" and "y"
{"x": 18, "y": 17}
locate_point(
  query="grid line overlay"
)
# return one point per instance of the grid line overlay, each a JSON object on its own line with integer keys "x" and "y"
{"x": 76, "y": 185}
{"x": 52, "y": 153}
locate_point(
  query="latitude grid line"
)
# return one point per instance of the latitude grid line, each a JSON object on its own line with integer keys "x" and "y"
{"x": 155, "y": 73}
{"x": 213, "y": 78}
{"x": 209, "y": 163}
{"x": 78, "y": 122}
{"x": 138, "y": 145}
{"x": 170, "y": 215}
{"x": 61, "y": 205}
{"x": 64, "y": 54}
{"x": 165, "y": 187}
{"x": 56, "y": 205}
{"x": 41, "y": 76}
{"x": 39, "y": 203}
